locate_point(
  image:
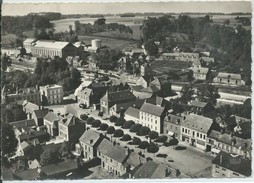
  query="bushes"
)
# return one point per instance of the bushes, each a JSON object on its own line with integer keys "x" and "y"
{"x": 144, "y": 130}
{"x": 126, "y": 137}
{"x": 161, "y": 138}
{"x": 128, "y": 124}
{"x": 83, "y": 117}
{"x": 110, "y": 130}
{"x": 113, "y": 119}
{"x": 153, "y": 134}
{"x": 136, "y": 140}
{"x": 153, "y": 149}
{"x": 103, "y": 127}
{"x": 120, "y": 121}
{"x": 96, "y": 123}
{"x": 143, "y": 145}
{"x": 100, "y": 114}
{"x": 135, "y": 128}
{"x": 89, "y": 120}
{"x": 118, "y": 133}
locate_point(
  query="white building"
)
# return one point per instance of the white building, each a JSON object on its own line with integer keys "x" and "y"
{"x": 28, "y": 44}
{"x": 52, "y": 93}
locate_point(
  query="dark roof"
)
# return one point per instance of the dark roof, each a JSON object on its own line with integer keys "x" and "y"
{"x": 151, "y": 89}
{"x": 30, "y": 174}
{"x": 23, "y": 123}
{"x": 152, "y": 109}
{"x": 115, "y": 152}
{"x": 198, "y": 123}
{"x": 198, "y": 103}
{"x": 118, "y": 96}
{"x": 124, "y": 106}
{"x": 90, "y": 137}
{"x": 229, "y": 75}
{"x": 41, "y": 113}
{"x": 30, "y": 107}
{"x": 177, "y": 120}
{"x": 51, "y": 117}
{"x": 69, "y": 120}
{"x": 134, "y": 160}
{"x": 234, "y": 163}
{"x": 155, "y": 100}
{"x": 137, "y": 87}
{"x": 132, "y": 112}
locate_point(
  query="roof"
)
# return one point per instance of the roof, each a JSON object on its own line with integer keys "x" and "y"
{"x": 30, "y": 174}
{"x": 30, "y": 107}
{"x": 173, "y": 119}
{"x": 137, "y": 87}
{"x": 229, "y": 75}
{"x": 29, "y": 40}
{"x": 115, "y": 152}
{"x": 124, "y": 106}
{"x": 33, "y": 164}
{"x": 50, "y": 44}
{"x": 152, "y": 109}
{"x": 24, "y": 145}
{"x": 23, "y": 123}
{"x": 207, "y": 59}
{"x": 90, "y": 137}
{"x": 51, "y": 117}
{"x": 155, "y": 100}
{"x": 41, "y": 113}
{"x": 196, "y": 62}
{"x": 240, "y": 165}
{"x": 118, "y": 96}
{"x": 84, "y": 92}
{"x": 181, "y": 54}
{"x": 198, "y": 103}
{"x": 131, "y": 111}
{"x": 69, "y": 120}
{"x": 50, "y": 86}
{"x": 134, "y": 160}
{"x": 200, "y": 70}
{"x": 198, "y": 123}
{"x": 150, "y": 89}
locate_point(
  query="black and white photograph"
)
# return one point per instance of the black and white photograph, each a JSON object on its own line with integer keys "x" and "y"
{"x": 126, "y": 90}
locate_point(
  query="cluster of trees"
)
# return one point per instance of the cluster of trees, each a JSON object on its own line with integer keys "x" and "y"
{"x": 12, "y": 112}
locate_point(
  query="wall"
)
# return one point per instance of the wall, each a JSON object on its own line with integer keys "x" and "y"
{"x": 151, "y": 121}
{"x": 218, "y": 171}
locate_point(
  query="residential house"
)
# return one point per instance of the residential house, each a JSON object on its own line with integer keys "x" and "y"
{"x": 119, "y": 109}
{"x": 28, "y": 44}
{"x": 52, "y": 94}
{"x": 92, "y": 64}
{"x": 200, "y": 73}
{"x": 206, "y": 61}
{"x": 29, "y": 108}
{"x": 146, "y": 69}
{"x": 132, "y": 114}
{"x": 143, "y": 81}
{"x": 156, "y": 100}
{"x": 110, "y": 99}
{"x": 150, "y": 91}
{"x": 138, "y": 92}
{"x": 195, "y": 129}
{"x": 230, "y": 166}
{"x": 182, "y": 56}
{"x": 219, "y": 141}
{"x": 10, "y": 93}
{"x": 51, "y": 121}
{"x": 38, "y": 116}
{"x": 163, "y": 85}
{"x": 123, "y": 63}
{"x": 89, "y": 142}
{"x": 152, "y": 116}
{"x": 229, "y": 79}
{"x": 33, "y": 164}
{"x": 70, "y": 128}
{"x": 200, "y": 108}
{"x": 172, "y": 125}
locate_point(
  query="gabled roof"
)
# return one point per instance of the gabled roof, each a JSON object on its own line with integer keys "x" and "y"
{"x": 29, "y": 40}
{"x": 118, "y": 96}
{"x": 200, "y": 70}
{"x": 198, "y": 103}
{"x": 41, "y": 113}
{"x": 243, "y": 166}
{"x": 115, "y": 152}
{"x": 131, "y": 111}
{"x": 152, "y": 109}
{"x": 51, "y": 117}
{"x": 150, "y": 89}
{"x": 177, "y": 120}
{"x": 90, "y": 137}
{"x": 85, "y": 92}
{"x": 207, "y": 59}
{"x": 30, "y": 107}
{"x": 24, "y": 145}
{"x": 155, "y": 100}
{"x": 69, "y": 120}
{"x": 51, "y": 44}
{"x": 23, "y": 123}
{"x": 229, "y": 75}
{"x": 124, "y": 106}
{"x": 137, "y": 87}
{"x": 134, "y": 160}
{"x": 198, "y": 123}
{"x": 196, "y": 62}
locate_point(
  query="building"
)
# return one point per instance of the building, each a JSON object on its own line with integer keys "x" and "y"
{"x": 146, "y": 69}
{"x": 51, "y": 121}
{"x": 10, "y": 93}
{"x": 200, "y": 108}
{"x": 159, "y": 101}
{"x": 152, "y": 116}
{"x": 206, "y": 61}
{"x": 229, "y": 143}
{"x": 123, "y": 63}
{"x": 70, "y": 128}
{"x": 38, "y": 116}
{"x": 229, "y": 79}
{"x": 200, "y": 73}
{"x": 182, "y": 56}
{"x": 50, "y": 49}
{"x": 195, "y": 129}
{"x": 172, "y": 125}
{"x": 29, "y": 107}
{"x": 230, "y": 166}
{"x": 143, "y": 81}
{"x": 89, "y": 143}
{"x": 28, "y": 44}
{"x": 163, "y": 85}
{"x": 92, "y": 64}
{"x": 132, "y": 114}
{"x": 51, "y": 94}
{"x": 110, "y": 99}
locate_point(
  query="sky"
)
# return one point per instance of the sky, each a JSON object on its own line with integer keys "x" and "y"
{"x": 114, "y": 8}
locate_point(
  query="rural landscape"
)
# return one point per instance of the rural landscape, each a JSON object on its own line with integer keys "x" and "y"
{"x": 126, "y": 95}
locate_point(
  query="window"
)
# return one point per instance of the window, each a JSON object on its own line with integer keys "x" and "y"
{"x": 224, "y": 169}
{"x": 193, "y": 133}
{"x": 155, "y": 121}
{"x": 171, "y": 126}
{"x": 155, "y": 128}
{"x": 217, "y": 166}
{"x": 176, "y": 128}
{"x": 197, "y": 134}
{"x": 182, "y": 129}
{"x": 201, "y": 136}
{"x": 235, "y": 174}
{"x": 204, "y": 137}
{"x": 185, "y": 130}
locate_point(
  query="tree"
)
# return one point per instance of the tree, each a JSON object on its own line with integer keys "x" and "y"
{"x": 89, "y": 120}
{"x": 7, "y": 116}
{"x": 83, "y": 117}
{"x": 110, "y": 130}
{"x": 76, "y": 75}
{"x": 96, "y": 123}
{"x": 227, "y": 22}
{"x": 112, "y": 118}
{"x": 100, "y": 21}
{"x": 103, "y": 127}
{"x": 151, "y": 48}
{"x": 36, "y": 33}
{"x": 49, "y": 156}
{"x": 21, "y": 164}
{"x": 144, "y": 130}
{"x": 64, "y": 150}
{"x": 135, "y": 128}
{"x": 19, "y": 79}
{"x": 33, "y": 152}
{"x": 153, "y": 149}
{"x": 128, "y": 124}
{"x": 9, "y": 141}
{"x": 187, "y": 94}
{"x": 207, "y": 93}
{"x": 19, "y": 114}
{"x": 143, "y": 145}
{"x": 126, "y": 137}
{"x": 153, "y": 134}
{"x": 118, "y": 133}
{"x": 120, "y": 121}
{"x": 136, "y": 140}
{"x": 173, "y": 142}
{"x": 162, "y": 138}
{"x": 5, "y": 61}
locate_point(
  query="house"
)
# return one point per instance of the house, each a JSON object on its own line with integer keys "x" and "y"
{"x": 10, "y": 93}
{"x": 51, "y": 48}
{"x": 132, "y": 114}
{"x": 52, "y": 94}
{"x": 22, "y": 147}
{"x": 200, "y": 108}
{"x": 229, "y": 79}
{"x": 143, "y": 81}
{"x": 22, "y": 127}
{"x": 172, "y": 125}
{"x": 123, "y": 63}
{"x": 150, "y": 90}
{"x": 182, "y": 56}
{"x": 110, "y": 99}
{"x": 219, "y": 141}
{"x": 28, "y": 44}
{"x": 163, "y": 85}
{"x": 119, "y": 109}
{"x": 33, "y": 164}
{"x": 195, "y": 129}
{"x": 70, "y": 128}
{"x": 29, "y": 107}
{"x": 230, "y": 166}
{"x": 140, "y": 92}
{"x": 51, "y": 121}
{"x": 200, "y": 73}
{"x": 156, "y": 100}
{"x": 89, "y": 142}
{"x": 152, "y": 116}
{"x": 146, "y": 69}
{"x": 92, "y": 64}
{"x": 38, "y": 116}
{"x": 206, "y": 61}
